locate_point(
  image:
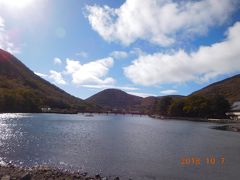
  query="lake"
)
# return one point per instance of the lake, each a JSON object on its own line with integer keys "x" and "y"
{"x": 127, "y": 146}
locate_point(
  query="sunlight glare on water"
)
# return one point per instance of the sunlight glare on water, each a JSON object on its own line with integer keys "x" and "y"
{"x": 126, "y": 146}
{"x": 8, "y": 116}
{"x": 6, "y": 127}
{"x": 7, "y": 130}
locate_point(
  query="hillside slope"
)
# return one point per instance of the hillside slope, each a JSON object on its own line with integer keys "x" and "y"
{"x": 118, "y": 99}
{"x": 23, "y": 91}
{"x": 229, "y": 88}
{"x": 113, "y": 98}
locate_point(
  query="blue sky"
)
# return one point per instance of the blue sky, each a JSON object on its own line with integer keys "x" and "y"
{"x": 156, "y": 47}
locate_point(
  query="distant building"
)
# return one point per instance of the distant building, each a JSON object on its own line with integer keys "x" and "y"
{"x": 134, "y": 112}
{"x": 234, "y": 114}
{"x": 46, "y": 109}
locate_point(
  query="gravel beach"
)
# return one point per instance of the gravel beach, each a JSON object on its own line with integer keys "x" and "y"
{"x": 11, "y": 172}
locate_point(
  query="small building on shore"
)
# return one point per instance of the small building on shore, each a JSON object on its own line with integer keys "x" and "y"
{"x": 46, "y": 109}
{"x": 234, "y": 114}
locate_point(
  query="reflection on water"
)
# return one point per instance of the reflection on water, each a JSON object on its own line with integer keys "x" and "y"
{"x": 127, "y": 146}
{"x": 7, "y": 126}
{"x": 10, "y": 132}
{"x": 9, "y": 116}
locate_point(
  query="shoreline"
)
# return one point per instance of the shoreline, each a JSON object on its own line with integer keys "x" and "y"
{"x": 228, "y": 127}
{"x": 211, "y": 120}
{"x": 10, "y": 172}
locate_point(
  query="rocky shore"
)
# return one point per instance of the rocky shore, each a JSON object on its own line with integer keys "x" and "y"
{"x": 11, "y": 172}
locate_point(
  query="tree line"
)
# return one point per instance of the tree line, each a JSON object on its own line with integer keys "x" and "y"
{"x": 30, "y": 101}
{"x": 192, "y": 106}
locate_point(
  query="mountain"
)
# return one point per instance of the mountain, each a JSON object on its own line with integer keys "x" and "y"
{"x": 115, "y": 99}
{"x": 23, "y": 91}
{"x": 229, "y": 88}
{"x": 118, "y": 99}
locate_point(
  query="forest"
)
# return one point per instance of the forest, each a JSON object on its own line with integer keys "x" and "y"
{"x": 192, "y": 106}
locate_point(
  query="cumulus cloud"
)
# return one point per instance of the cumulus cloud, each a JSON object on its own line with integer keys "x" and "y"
{"x": 141, "y": 94}
{"x": 125, "y": 88}
{"x": 158, "y": 21}
{"x": 119, "y": 54}
{"x": 41, "y": 74}
{"x": 57, "y": 77}
{"x": 178, "y": 67}
{"x": 92, "y": 73}
{"x": 5, "y": 41}
{"x": 53, "y": 75}
{"x": 57, "y": 61}
{"x": 137, "y": 52}
{"x": 1, "y": 23}
{"x": 168, "y": 92}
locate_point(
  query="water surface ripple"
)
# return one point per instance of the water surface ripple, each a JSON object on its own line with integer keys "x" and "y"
{"x": 127, "y": 146}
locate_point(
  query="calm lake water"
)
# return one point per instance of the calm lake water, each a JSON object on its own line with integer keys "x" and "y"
{"x": 127, "y": 146}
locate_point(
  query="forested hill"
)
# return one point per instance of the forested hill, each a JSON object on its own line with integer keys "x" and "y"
{"x": 115, "y": 98}
{"x": 23, "y": 91}
{"x": 229, "y": 88}
{"x": 212, "y": 101}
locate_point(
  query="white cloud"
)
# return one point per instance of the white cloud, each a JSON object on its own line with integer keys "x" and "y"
{"x": 54, "y": 75}
{"x": 1, "y": 23}
{"x": 119, "y": 54}
{"x": 137, "y": 52}
{"x": 5, "y": 41}
{"x": 41, "y": 74}
{"x": 125, "y": 88}
{"x": 92, "y": 73}
{"x": 57, "y": 77}
{"x": 141, "y": 94}
{"x": 57, "y": 61}
{"x": 206, "y": 63}
{"x": 169, "y": 92}
{"x": 15, "y": 4}
{"x": 161, "y": 22}
{"x": 82, "y": 54}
